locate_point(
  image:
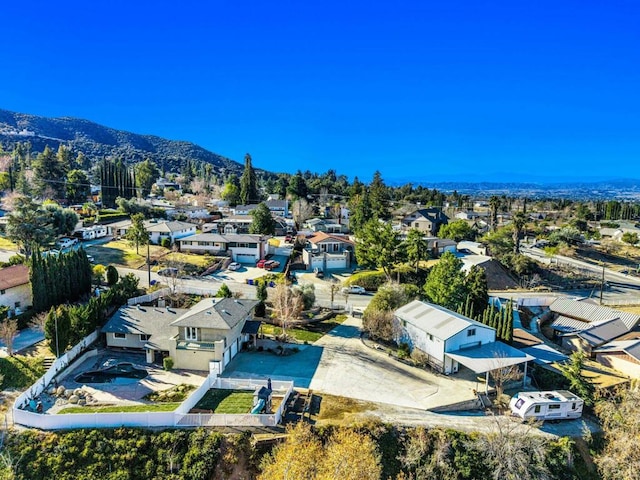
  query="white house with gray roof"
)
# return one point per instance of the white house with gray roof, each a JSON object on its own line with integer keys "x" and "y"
{"x": 449, "y": 339}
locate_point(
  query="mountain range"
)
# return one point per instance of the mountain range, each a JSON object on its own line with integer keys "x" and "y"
{"x": 97, "y": 142}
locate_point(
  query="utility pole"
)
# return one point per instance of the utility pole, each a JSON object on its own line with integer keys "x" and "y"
{"x": 602, "y": 284}
{"x": 55, "y": 317}
{"x": 148, "y": 263}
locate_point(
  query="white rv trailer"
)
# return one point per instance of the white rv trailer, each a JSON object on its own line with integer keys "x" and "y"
{"x": 553, "y": 405}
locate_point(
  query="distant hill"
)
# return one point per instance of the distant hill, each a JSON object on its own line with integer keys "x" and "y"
{"x": 97, "y": 142}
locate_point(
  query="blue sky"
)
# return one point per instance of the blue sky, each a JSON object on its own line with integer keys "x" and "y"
{"x": 420, "y": 90}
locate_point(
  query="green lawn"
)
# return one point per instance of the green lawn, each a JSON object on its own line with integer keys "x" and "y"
{"x": 226, "y": 401}
{"x": 120, "y": 252}
{"x": 155, "y": 407}
{"x": 309, "y": 333}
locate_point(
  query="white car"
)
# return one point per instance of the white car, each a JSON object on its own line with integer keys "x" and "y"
{"x": 357, "y": 289}
{"x": 234, "y": 266}
{"x": 66, "y": 242}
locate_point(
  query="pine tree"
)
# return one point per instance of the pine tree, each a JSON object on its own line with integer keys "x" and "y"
{"x": 248, "y": 183}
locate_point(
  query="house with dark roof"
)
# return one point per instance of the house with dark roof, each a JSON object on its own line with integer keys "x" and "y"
{"x": 567, "y": 316}
{"x": 15, "y": 287}
{"x": 426, "y": 220}
{"x": 204, "y": 337}
{"x": 596, "y": 335}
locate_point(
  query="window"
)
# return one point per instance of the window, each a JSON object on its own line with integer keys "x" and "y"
{"x": 554, "y": 406}
{"x": 573, "y": 406}
{"x": 536, "y": 409}
{"x": 119, "y": 335}
{"x": 471, "y": 332}
{"x": 144, "y": 338}
{"x": 191, "y": 333}
{"x": 519, "y": 403}
{"x": 17, "y": 304}
{"x": 2, "y": 292}
{"x": 431, "y": 337}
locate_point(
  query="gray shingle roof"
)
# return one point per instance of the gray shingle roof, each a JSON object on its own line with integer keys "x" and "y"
{"x": 216, "y": 313}
{"x": 145, "y": 320}
{"x": 630, "y": 347}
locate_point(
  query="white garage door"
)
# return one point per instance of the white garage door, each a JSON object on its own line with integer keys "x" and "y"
{"x": 245, "y": 258}
{"x": 226, "y": 358}
{"x": 234, "y": 349}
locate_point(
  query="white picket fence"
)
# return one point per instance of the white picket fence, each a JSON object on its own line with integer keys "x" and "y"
{"x": 178, "y": 418}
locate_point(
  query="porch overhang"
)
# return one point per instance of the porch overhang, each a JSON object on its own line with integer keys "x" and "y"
{"x": 490, "y": 356}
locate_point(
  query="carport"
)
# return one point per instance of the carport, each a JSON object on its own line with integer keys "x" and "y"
{"x": 489, "y": 357}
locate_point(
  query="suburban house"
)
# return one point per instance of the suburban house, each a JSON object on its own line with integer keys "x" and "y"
{"x": 426, "y": 220}
{"x": 567, "y": 316}
{"x": 15, "y": 288}
{"x": 231, "y": 224}
{"x": 278, "y": 207}
{"x": 448, "y": 340}
{"x": 244, "y": 209}
{"x": 204, "y": 337}
{"x": 324, "y": 225}
{"x": 621, "y": 355}
{"x": 243, "y": 248}
{"x": 596, "y": 335}
{"x": 158, "y": 229}
{"x": 470, "y": 215}
{"x": 326, "y": 251}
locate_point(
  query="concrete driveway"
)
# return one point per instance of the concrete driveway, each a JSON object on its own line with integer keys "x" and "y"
{"x": 340, "y": 364}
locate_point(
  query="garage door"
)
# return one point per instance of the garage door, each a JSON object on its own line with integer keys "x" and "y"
{"x": 245, "y": 258}
{"x": 226, "y": 359}
{"x": 234, "y": 349}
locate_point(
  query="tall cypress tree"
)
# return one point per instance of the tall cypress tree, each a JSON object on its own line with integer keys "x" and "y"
{"x": 248, "y": 183}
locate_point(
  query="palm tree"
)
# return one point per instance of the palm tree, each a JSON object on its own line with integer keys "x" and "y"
{"x": 519, "y": 221}
{"x": 494, "y": 204}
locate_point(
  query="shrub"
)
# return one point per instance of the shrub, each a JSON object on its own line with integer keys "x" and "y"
{"x": 166, "y": 242}
{"x": 369, "y": 280}
{"x": 167, "y": 363}
{"x": 112, "y": 275}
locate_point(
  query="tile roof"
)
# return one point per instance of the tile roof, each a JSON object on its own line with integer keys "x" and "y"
{"x": 434, "y": 319}
{"x": 322, "y": 236}
{"x": 13, "y": 276}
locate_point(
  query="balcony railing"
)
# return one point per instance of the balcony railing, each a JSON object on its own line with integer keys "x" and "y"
{"x": 194, "y": 345}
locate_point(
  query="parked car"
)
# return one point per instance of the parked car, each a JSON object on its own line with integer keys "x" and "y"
{"x": 357, "y": 289}
{"x": 319, "y": 273}
{"x": 234, "y": 266}
{"x": 271, "y": 264}
{"x": 66, "y": 242}
{"x": 261, "y": 263}
{"x": 168, "y": 272}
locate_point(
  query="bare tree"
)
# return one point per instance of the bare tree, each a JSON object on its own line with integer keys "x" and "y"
{"x": 38, "y": 322}
{"x": 287, "y": 305}
{"x": 301, "y": 210}
{"x": 514, "y": 451}
{"x": 8, "y": 332}
{"x": 503, "y": 375}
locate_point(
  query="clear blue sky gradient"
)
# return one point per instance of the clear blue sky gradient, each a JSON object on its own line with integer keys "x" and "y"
{"x": 471, "y": 90}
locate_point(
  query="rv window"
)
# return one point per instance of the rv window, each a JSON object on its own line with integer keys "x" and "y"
{"x": 554, "y": 406}
{"x": 119, "y": 335}
{"x": 537, "y": 409}
{"x": 573, "y": 406}
{"x": 519, "y": 403}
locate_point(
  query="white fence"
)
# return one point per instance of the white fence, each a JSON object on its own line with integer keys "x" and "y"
{"x": 60, "y": 364}
{"x": 150, "y": 297}
{"x": 178, "y": 418}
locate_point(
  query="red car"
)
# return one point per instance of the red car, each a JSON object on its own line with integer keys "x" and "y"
{"x": 261, "y": 263}
{"x": 271, "y": 264}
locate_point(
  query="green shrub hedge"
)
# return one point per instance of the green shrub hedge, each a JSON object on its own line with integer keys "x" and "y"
{"x": 370, "y": 280}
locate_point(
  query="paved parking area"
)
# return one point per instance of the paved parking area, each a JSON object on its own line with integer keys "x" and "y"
{"x": 340, "y": 364}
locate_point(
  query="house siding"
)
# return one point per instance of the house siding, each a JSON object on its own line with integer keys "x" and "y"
{"x": 621, "y": 362}
{"x": 131, "y": 340}
{"x": 20, "y": 293}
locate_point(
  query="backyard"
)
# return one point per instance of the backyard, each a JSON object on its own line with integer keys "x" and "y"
{"x": 225, "y": 401}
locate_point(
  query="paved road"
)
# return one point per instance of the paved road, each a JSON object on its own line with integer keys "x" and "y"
{"x": 340, "y": 364}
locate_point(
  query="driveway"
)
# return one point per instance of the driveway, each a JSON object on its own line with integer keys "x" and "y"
{"x": 340, "y": 364}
